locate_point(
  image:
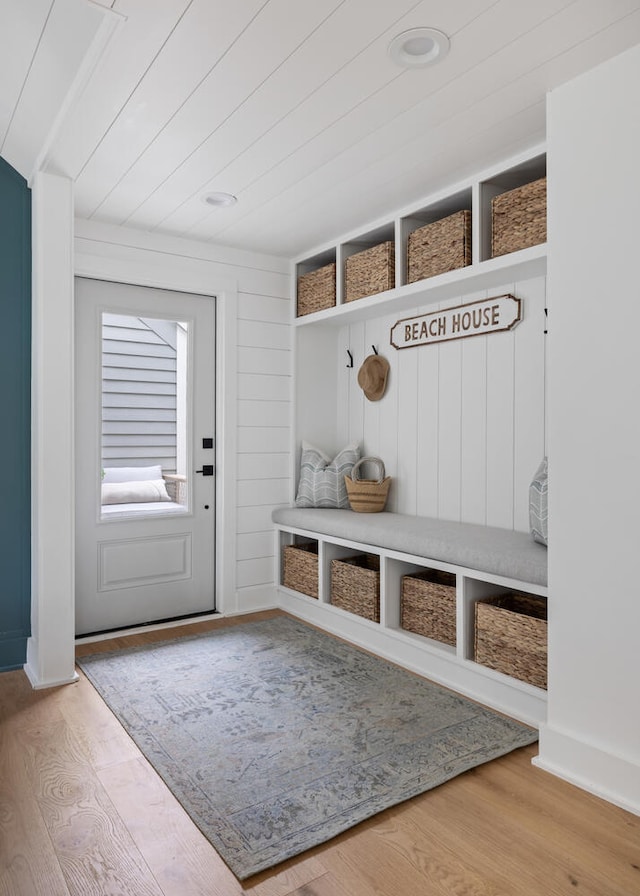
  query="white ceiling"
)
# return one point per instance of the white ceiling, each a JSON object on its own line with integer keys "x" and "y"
{"x": 292, "y": 105}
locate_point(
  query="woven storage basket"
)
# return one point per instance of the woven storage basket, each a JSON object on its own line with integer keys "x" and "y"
{"x": 317, "y": 290}
{"x": 511, "y": 636}
{"x": 444, "y": 245}
{"x": 428, "y": 605}
{"x": 370, "y": 272}
{"x": 519, "y": 218}
{"x": 300, "y": 568}
{"x": 367, "y": 495}
{"x": 355, "y": 585}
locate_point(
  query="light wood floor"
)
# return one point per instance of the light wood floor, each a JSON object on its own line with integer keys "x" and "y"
{"x": 82, "y": 813}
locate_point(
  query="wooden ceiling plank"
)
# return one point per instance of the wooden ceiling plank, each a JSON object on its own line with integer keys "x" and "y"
{"x": 343, "y": 113}
{"x": 355, "y": 164}
{"x": 295, "y": 107}
{"x": 368, "y": 73}
{"x": 341, "y": 210}
{"x": 247, "y": 60}
{"x": 186, "y": 46}
{"x": 68, "y": 35}
{"x": 301, "y": 76}
{"x": 21, "y": 30}
{"x": 125, "y": 63}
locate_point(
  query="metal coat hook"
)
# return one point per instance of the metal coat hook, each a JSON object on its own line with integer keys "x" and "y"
{"x": 350, "y": 364}
{"x": 375, "y": 350}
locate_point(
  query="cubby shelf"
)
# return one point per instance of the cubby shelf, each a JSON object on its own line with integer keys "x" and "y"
{"x": 531, "y": 262}
{"x": 484, "y": 272}
{"x": 452, "y": 665}
{"x": 319, "y": 388}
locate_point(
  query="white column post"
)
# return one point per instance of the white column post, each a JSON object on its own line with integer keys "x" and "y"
{"x": 50, "y": 649}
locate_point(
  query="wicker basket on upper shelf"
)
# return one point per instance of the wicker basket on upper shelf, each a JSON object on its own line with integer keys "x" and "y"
{"x": 519, "y": 218}
{"x": 370, "y": 271}
{"x": 511, "y": 636}
{"x": 316, "y": 290}
{"x": 441, "y": 246}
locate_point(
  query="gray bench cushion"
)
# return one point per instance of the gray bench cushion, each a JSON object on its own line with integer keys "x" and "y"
{"x": 503, "y": 552}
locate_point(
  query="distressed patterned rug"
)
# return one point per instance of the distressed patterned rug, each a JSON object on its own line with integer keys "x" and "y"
{"x": 276, "y": 737}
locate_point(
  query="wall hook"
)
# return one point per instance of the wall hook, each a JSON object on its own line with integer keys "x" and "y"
{"x": 375, "y": 350}
{"x": 350, "y": 364}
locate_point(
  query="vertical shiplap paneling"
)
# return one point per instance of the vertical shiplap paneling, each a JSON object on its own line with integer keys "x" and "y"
{"x": 373, "y": 410}
{"x": 316, "y": 386}
{"x": 461, "y": 426}
{"x": 473, "y": 437}
{"x": 500, "y": 407}
{"x": 428, "y": 447}
{"x": 388, "y": 410}
{"x": 529, "y": 400}
{"x": 343, "y": 378}
{"x": 449, "y": 429}
{"x": 405, "y": 485}
{"x": 357, "y": 427}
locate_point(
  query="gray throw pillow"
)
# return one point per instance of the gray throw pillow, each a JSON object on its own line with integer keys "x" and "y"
{"x": 538, "y": 509}
{"x": 321, "y": 481}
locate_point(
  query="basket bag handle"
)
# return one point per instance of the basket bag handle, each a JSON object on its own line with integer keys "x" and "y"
{"x": 368, "y": 460}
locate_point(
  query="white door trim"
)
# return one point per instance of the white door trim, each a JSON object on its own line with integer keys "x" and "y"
{"x": 226, "y": 296}
{"x": 51, "y": 647}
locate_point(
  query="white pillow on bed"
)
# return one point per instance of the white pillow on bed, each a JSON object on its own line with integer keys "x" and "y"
{"x": 131, "y": 474}
{"x": 146, "y": 492}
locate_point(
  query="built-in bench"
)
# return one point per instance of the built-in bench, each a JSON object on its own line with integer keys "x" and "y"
{"x": 487, "y": 564}
{"x": 488, "y": 549}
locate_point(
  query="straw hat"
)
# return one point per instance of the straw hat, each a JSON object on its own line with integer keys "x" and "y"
{"x": 372, "y": 376}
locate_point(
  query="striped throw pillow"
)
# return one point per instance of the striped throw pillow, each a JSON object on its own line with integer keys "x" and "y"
{"x": 321, "y": 482}
{"x": 538, "y": 509}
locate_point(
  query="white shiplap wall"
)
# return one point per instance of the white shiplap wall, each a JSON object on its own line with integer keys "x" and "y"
{"x": 264, "y": 411}
{"x": 254, "y": 350}
{"x": 461, "y": 427}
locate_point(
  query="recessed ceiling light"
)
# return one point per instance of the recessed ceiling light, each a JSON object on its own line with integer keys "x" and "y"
{"x": 419, "y": 46}
{"x": 220, "y": 200}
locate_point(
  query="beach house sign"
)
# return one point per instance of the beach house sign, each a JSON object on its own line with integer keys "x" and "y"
{"x": 472, "y": 319}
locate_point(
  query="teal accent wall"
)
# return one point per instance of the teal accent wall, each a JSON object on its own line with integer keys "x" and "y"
{"x": 15, "y": 401}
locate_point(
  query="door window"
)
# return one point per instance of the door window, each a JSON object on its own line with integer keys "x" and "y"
{"x": 144, "y": 400}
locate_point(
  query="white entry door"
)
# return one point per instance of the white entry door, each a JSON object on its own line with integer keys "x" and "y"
{"x": 145, "y": 494}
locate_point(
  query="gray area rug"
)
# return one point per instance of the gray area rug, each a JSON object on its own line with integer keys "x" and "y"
{"x": 276, "y": 737}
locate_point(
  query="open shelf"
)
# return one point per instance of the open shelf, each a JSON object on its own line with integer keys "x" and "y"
{"x": 329, "y": 411}
{"x": 494, "y": 272}
{"x": 483, "y": 272}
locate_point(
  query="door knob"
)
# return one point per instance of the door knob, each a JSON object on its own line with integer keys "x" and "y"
{"x": 207, "y": 470}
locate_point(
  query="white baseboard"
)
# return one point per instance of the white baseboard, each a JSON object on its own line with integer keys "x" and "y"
{"x": 589, "y": 767}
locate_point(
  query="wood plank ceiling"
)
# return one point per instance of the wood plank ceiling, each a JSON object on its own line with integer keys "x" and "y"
{"x": 294, "y": 106}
